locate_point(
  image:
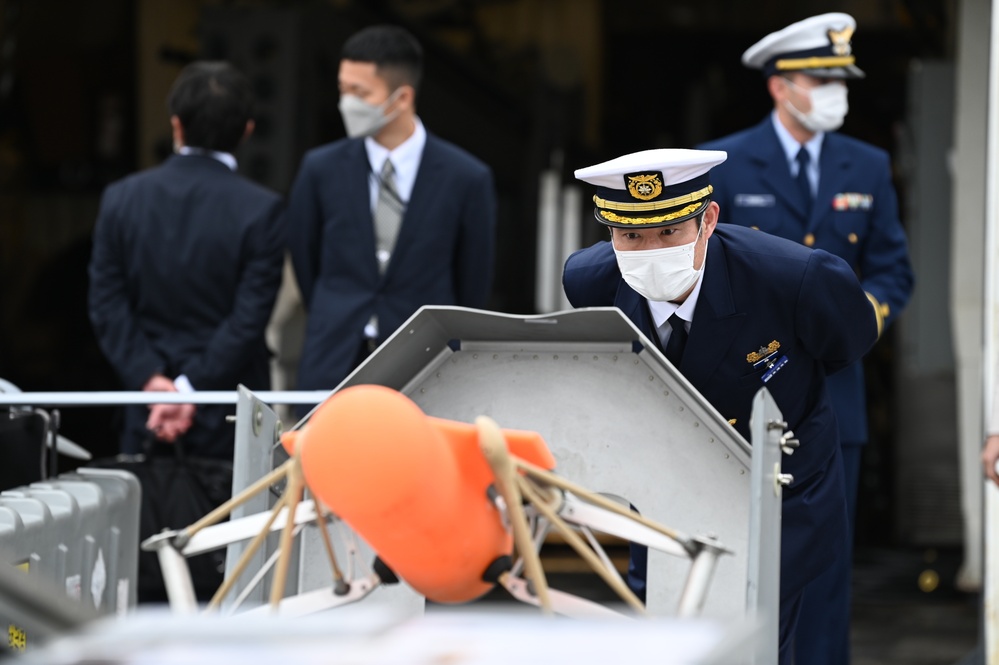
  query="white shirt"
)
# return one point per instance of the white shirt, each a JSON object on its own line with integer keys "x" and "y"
{"x": 224, "y": 157}
{"x": 405, "y": 162}
{"x": 791, "y": 147}
{"x": 662, "y": 310}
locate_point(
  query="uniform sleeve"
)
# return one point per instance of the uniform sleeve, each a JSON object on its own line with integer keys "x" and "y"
{"x": 833, "y": 316}
{"x": 885, "y": 270}
{"x": 110, "y": 307}
{"x": 591, "y": 277}
{"x": 305, "y": 230}
{"x": 239, "y": 334}
{"x": 476, "y": 247}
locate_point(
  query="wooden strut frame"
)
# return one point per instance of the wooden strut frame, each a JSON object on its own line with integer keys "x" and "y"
{"x": 518, "y": 483}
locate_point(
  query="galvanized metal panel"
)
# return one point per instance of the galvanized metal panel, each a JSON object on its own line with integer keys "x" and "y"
{"x": 617, "y": 416}
{"x": 78, "y": 532}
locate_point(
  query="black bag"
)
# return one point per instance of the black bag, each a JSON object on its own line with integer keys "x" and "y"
{"x": 177, "y": 491}
{"x": 23, "y": 436}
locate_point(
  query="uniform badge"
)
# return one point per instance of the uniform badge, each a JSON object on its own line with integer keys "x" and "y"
{"x": 755, "y": 201}
{"x": 763, "y": 352}
{"x": 840, "y": 40}
{"x": 766, "y": 356}
{"x": 644, "y": 186}
{"x": 852, "y": 201}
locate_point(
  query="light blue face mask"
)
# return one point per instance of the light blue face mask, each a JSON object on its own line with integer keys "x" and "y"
{"x": 363, "y": 119}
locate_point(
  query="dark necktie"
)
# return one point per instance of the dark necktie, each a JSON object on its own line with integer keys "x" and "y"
{"x": 803, "y": 185}
{"x": 677, "y": 340}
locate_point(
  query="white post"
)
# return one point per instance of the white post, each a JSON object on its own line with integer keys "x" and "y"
{"x": 549, "y": 200}
{"x": 572, "y": 217}
{"x": 969, "y": 271}
{"x": 991, "y": 329}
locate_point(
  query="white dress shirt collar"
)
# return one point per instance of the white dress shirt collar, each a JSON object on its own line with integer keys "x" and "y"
{"x": 661, "y": 311}
{"x": 224, "y": 157}
{"x": 791, "y": 146}
{"x": 405, "y": 161}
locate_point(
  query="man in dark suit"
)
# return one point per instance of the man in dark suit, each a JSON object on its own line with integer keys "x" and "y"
{"x": 186, "y": 265}
{"x": 387, "y": 220}
{"x": 794, "y": 176}
{"x": 734, "y": 310}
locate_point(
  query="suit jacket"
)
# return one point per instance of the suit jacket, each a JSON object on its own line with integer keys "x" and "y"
{"x": 854, "y": 216}
{"x": 443, "y": 254}
{"x": 185, "y": 268}
{"x": 759, "y": 289}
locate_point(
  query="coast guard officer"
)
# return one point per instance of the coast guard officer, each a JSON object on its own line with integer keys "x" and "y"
{"x": 794, "y": 176}
{"x": 734, "y": 310}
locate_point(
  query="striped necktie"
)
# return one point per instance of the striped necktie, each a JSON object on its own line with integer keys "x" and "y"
{"x": 389, "y": 209}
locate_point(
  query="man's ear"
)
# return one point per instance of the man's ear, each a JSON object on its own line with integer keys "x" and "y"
{"x": 407, "y": 97}
{"x": 710, "y": 220}
{"x": 777, "y": 87}
{"x": 178, "y": 132}
{"x": 250, "y": 126}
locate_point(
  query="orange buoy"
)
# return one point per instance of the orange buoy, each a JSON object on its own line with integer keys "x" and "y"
{"x": 414, "y": 487}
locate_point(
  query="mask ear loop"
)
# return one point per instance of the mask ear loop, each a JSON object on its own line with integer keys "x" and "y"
{"x": 388, "y": 102}
{"x": 794, "y": 110}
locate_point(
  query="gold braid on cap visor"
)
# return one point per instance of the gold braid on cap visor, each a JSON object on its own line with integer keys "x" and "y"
{"x": 641, "y": 221}
{"x": 816, "y": 62}
{"x": 656, "y": 205}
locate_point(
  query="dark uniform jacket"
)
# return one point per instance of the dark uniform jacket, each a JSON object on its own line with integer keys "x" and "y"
{"x": 854, "y": 216}
{"x": 757, "y": 290}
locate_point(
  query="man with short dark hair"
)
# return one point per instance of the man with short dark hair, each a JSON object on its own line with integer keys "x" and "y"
{"x": 185, "y": 268}
{"x": 386, "y": 220}
{"x": 734, "y": 311}
{"x": 795, "y": 176}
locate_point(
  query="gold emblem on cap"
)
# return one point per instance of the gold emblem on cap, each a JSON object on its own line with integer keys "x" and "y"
{"x": 840, "y": 40}
{"x": 645, "y": 187}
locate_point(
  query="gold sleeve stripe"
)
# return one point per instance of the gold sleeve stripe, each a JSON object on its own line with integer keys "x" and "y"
{"x": 658, "y": 219}
{"x": 815, "y": 62}
{"x": 656, "y": 205}
{"x": 880, "y": 312}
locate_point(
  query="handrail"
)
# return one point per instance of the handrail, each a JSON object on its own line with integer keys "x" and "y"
{"x": 124, "y": 397}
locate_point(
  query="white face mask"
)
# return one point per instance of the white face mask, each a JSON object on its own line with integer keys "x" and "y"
{"x": 829, "y": 107}
{"x": 661, "y": 274}
{"x": 363, "y": 119}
